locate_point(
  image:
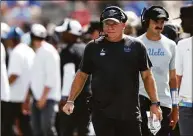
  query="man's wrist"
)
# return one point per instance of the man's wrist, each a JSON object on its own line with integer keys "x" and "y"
{"x": 70, "y": 102}
{"x": 44, "y": 97}
{"x": 175, "y": 105}
{"x": 157, "y": 103}
{"x": 174, "y": 97}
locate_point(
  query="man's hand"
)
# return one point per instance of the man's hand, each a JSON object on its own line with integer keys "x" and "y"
{"x": 68, "y": 108}
{"x": 154, "y": 109}
{"x": 76, "y": 88}
{"x": 26, "y": 108}
{"x": 174, "y": 117}
{"x": 41, "y": 103}
{"x": 26, "y": 104}
{"x": 63, "y": 102}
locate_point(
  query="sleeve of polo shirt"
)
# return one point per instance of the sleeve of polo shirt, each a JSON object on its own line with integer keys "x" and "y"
{"x": 179, "y": 59}
{"x": 52, "y": 66}
{"x": 172, "y": 65}
{"x": 144, "y": 61}
{"x": 86, "y": 63}
{"x": 15, "y": 64}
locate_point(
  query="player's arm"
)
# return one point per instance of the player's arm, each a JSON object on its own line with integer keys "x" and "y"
{"x": 173, "y": 87}
{"x": 179, "y": 80}
{"x": 173, "y": 78}
{"x": 174, "y": 116}
{"x": 150, "y": 85}
{"x": 77, "y": 85}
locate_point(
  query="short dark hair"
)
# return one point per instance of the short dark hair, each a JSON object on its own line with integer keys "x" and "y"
{"x": 94, "y": 25}
{"x": 171, "y": 32}
{"x": 33, "y": 37}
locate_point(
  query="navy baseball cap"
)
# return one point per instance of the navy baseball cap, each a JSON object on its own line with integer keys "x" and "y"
{"x": 15, "y": 32}
{"x": 112, "y": 14}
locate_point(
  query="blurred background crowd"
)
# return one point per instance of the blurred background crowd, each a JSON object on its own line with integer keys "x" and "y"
{"x": 51, "y": 14}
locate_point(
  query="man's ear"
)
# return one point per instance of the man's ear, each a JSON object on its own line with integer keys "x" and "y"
{"x": 124, "y": 25}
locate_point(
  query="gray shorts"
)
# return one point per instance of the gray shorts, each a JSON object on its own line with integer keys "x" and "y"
{"x": 186, "y": 121}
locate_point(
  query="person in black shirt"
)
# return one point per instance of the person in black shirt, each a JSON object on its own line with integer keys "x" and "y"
{"x": 70, "y": 56}
{"x": 171, "y": 31}
{"x": 114, "y": 61}
{"x": 92, "y": 32}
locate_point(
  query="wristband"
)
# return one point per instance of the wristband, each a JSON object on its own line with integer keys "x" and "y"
{"x": 174, "y": 96}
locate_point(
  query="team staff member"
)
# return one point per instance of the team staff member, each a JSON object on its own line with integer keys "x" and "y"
{"x": 161, "y": 51}
{"x": 115, "y": 62}
{"x": 93, "y": 31}
{"x": 45, "y": 83}
{"x": 6, "y": 125}
{"x": 70, "y": 56}
{"x": 20, "y": 62}
{"x": 5, "y": 28}
{"x": 171, "y": 32}
{"x": 184, "y": 73}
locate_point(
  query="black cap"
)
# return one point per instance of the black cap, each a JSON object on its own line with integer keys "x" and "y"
{"x": 112, "y": 14}
{"x": 158, "y": 13}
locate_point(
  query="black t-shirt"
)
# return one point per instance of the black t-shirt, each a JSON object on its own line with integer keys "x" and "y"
{"x": 72, "y": 54}
{"x": 115, "y": 68}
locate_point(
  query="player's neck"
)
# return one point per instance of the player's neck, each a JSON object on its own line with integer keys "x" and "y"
{"x": 152, "y": 36}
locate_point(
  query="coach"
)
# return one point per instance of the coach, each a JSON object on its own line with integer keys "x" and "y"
{"x": 115, "y": 60}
